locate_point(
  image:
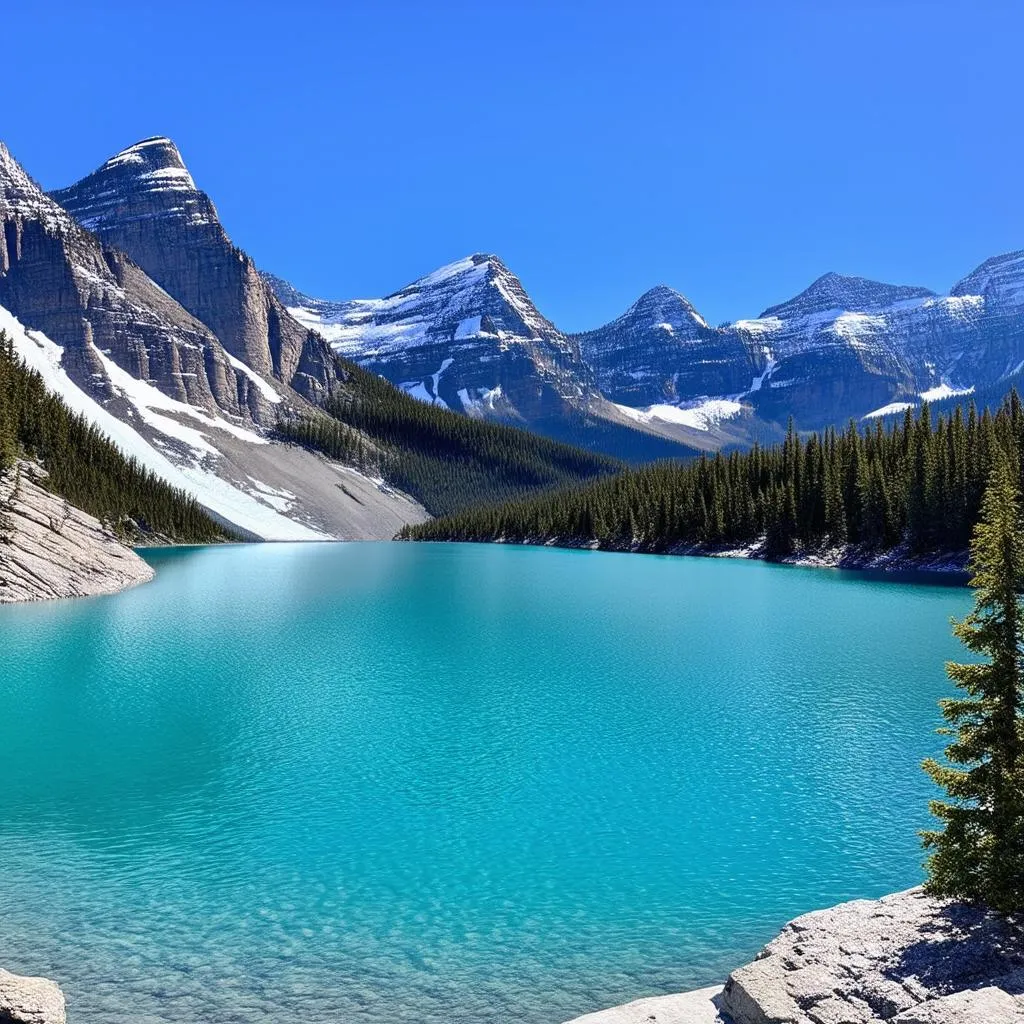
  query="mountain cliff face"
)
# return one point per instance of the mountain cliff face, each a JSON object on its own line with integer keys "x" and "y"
{"x": 466, "y": 336}
{"x": 95, "y": 301}
{"x": 144, "y": 202}
{"x": 153, "y": 377}
{"x": 662, "y": 350}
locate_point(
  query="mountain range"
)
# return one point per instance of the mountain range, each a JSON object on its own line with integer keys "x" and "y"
{"x": 844, "y": 347}
{"x": 126, "y": 293}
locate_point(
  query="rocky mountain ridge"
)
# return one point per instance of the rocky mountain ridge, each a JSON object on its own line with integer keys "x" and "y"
{"x": 844, "y": 347}
{"x": 122, "y": 350}
{"x": 144, "y": 202}
{"x": 468, "y": 337}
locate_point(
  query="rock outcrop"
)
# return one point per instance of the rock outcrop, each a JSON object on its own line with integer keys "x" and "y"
{"x": 906, "y": 958}
{"x": 50, "y": 549}
{"x": 30, "y": 1000}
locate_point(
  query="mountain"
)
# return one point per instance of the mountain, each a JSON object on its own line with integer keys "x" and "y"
{"x": 120, "y": 350}
{"x": 662, "y": 350}
{"x": 144, "y": 202}
{"x": 844, "y": 347}
{"x": 467, "y": 337}
{"x": 180, "y": 353}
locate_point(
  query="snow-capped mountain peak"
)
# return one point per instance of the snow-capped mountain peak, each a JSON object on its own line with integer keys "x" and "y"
{"x": 664, "y": 307}
{"x": 999, "y": 280}
{"x": 466, "y": 335}
{"x": 834, "y": 291}
{"x": 147, "y": 180}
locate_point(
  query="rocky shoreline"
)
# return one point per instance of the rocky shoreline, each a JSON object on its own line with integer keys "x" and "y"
{"x": 907, "y": 958}
{"x": 50, "y": 549}
{"x": 948, "y": 566}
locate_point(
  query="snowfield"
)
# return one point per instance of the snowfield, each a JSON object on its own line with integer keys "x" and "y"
{"x": 229, "y": 503}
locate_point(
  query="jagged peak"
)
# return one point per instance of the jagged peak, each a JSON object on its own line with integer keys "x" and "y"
{"x": 150, "y": 173}
{"x": 998, "y": 275}
{"x": 661, "y": 305}
{"x": 21, "y": 196}
{"x": 847, "y": 292}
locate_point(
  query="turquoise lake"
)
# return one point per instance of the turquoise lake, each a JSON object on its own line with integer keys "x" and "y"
{"x": 441, "y": 784}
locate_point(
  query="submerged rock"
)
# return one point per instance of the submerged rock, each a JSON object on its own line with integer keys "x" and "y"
{"x": 30, "y": 1000}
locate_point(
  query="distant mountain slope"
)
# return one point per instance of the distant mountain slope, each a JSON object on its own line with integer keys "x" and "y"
{"x": 661, "y": 350}
{"x": 844, "y": 347}
{"x": 467, "y": 337}
{"x": 446, "y": 461}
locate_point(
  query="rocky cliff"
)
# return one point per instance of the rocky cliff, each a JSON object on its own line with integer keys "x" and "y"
{"x": 144, "y": 202}
{"x": 906, "y": 958}
{"x": 50, "y": 549}
{"x": 90, "y": 299}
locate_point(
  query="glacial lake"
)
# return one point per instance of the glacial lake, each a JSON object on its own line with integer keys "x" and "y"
{"x": 442, "y": 784}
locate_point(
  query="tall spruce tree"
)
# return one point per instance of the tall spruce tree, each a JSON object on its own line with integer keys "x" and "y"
{"x": 978, "y": 855}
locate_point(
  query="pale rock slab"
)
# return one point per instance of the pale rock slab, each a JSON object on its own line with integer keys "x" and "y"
{"x": 30, "y": 1000}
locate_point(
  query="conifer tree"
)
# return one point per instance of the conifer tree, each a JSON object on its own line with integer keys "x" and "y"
{"x": 978, "y": 854}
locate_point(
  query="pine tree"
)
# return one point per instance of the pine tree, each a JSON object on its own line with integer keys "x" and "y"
{"x": 979, "y": 853}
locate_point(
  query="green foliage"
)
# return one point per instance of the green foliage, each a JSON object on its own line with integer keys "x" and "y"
{"x": 978, "y": 854}
{"x": 84, "y": 467}
{"x": 920, "y": 484}
{"x": 447, "y": 461}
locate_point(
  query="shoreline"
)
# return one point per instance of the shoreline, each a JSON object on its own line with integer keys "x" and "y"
{"x": 946, "y": 567}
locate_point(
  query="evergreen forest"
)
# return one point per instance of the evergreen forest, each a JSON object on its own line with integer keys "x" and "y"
{"x": 85, "y": 467}
{"x": 917, "y": 483}
{"x": 447, "y": 461}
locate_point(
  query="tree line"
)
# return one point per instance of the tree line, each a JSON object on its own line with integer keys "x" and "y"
{"x": 918, "y": 483}
{"x": 84, "y": 466}
{"x": 447, "y": 461}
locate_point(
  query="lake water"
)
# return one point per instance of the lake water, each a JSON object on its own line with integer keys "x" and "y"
{"x": 443, "y": 784}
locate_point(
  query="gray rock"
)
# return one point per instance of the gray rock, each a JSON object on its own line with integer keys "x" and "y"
{"x": 30, "y": 1000}
{"x": 983, "y": 1006}
{"x": 881, "y": 960}
{"x": 56, "y": 550}
{"x": 144, "y": 202}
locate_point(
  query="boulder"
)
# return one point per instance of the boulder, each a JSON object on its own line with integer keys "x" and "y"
{"x": 30, "y": 1000}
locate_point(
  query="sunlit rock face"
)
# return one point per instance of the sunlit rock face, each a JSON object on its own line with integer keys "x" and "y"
{"x": 95, "y": 301}
{"x": 145, "y": 202}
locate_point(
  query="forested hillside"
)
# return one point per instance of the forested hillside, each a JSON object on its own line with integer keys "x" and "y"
{"x": 919, "y": 483}
{"x": 86, "y": 468}
{"x": 446, "y": 461}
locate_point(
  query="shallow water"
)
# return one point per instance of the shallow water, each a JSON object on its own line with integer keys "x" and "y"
{"x": 436, "y": 783}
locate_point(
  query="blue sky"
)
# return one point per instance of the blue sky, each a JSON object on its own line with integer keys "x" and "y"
{"x": 732, "y": 150}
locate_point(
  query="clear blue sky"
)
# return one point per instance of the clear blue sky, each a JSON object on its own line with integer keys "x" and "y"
{"x": 732, "y": 150}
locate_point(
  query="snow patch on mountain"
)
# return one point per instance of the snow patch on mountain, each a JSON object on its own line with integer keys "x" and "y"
{"x": 701, "y": 415}
{"x": 944, "y": 390}
{"x": 220, "y": 497}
